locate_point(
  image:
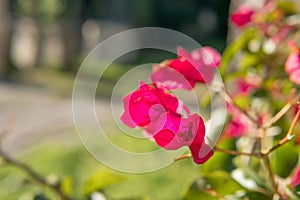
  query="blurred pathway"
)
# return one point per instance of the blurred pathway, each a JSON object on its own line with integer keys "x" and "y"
{"x": 36, "y": 115}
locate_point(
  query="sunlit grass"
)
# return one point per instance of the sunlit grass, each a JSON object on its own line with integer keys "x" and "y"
{"x": 59, "y": 161}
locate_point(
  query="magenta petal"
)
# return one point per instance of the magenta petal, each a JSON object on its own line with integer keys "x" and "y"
{"x": 201, "y": 153}
{"x": 207, "y": 56}
{"x": 292, "y": 63}
{"x": 188, "y": 130}
{"x": 242, "y": 16}
{"x": 126, "y": 117}
{"x": 169, "y": 101}
{"x": 158, "y": 119}
{"x": 165, "y": 139}
{"x": 171, "y": 79}
{"x": 295, "y": 177}
{"x": 295, "y": 76}
{"x": 207, "y": 74}
{"x": 181, "y": 52}
{"x": 139, "y": 112}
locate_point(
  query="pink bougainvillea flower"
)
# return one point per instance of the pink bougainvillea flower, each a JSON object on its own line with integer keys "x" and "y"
{"x": 282, "y": 34}
{"x": 158, "y": 113}
{"x": 139, "y": 103}
{"x": 295, "y": 177}
{"x": 201, "y": 152}
{"x": 187, "y": 69}
{"x": 242, "y": 15}
{"x": 189, "y": 132}
{"x": 292, "y": 64}
{"x": 239, "y": 124}
{"x": 248, "y": 85}
{"x": 237, "y": 127}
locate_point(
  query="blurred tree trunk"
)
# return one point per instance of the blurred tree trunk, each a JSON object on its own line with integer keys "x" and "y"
{"x": 72, "y": 36}
{"x": 5, "y": 37}
{"x": 72, "y": 43}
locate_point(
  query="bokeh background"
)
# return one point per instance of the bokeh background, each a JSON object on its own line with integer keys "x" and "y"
{"x": 42, "y": 44}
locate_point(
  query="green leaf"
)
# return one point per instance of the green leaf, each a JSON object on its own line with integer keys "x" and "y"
{"x": 222, "y": 183}
{"x": 234, "y": 48}
{"x": 40, "y": 197}
{"x": 288, "y": 7}
{"x": 284, "y": 159}
{"x": 260, "y": 93}
{"x": 66, "y": 185}
{"x": 250, "y": 60}
{"x": 100, "y": 180}
{"x": 212, "y": 186}
{"x": 257, "y": 195}
{"x": 242, "y": 101}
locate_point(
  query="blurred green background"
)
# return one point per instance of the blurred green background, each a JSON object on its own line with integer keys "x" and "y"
{"x": 42, "y": 43}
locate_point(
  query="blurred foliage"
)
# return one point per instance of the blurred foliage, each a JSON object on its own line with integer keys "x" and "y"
{"x": 100, "y": 180}
{"x": 44, "y": 9}
{"x": 80, "y": 174}
{"x": 261, "y": 68}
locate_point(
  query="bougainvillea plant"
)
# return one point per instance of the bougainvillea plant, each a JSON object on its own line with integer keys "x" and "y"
{"x": 256, "y": 156}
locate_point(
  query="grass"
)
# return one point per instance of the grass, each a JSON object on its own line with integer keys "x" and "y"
{"x": 59, "y": 161}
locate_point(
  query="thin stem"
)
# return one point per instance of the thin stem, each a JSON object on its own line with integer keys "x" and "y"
{"x": 232, "y": 152}
{"x": 183, "y": 157}
{"x": 227, "y": 97}
{"x": 271, "y": 177}
{"x": 38, "y": 178}
{"x": 286, "y": 108}
{"x": 289, "y": 134}
{"x": 295, "y": 120}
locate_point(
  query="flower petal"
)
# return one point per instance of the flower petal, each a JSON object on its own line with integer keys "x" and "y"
{"x": 171, "y": 79}
{"x": 242, "y": 16}
{"x": 165, "y": 139}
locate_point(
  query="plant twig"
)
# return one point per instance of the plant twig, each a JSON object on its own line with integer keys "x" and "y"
{"x": 271, "y": 177}
{"x": 232, "y": 152}
{"x": 183, "y": 157}
{"x": 286, "y": 108}
{"x": 34, "y": 175}
{"x": 289, "y": 134}
{"x": 227, "y": 97}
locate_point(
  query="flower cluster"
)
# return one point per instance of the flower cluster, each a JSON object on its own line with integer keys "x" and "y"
{"x": 262, "y": 87}
{"x": 292, "y": 65}
{"x": 155, "y": 109}
{"x": 274, "y": 25}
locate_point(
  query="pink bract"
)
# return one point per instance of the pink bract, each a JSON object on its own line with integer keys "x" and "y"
{"x": 242, "y": 16}
{"x": 190, "y": 132}
{"x": 292, "y": 65}
{"x": 237, "y": 127}
{"x": 139, "y": 103}
{"x": 188, "y": 69}
{"x": 158, "y": 113}
{"x": 239, "y": 124}
{"x": 295, "y": 177}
